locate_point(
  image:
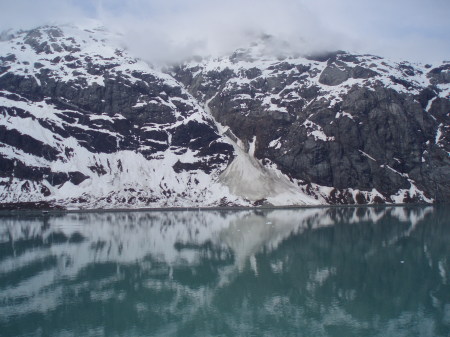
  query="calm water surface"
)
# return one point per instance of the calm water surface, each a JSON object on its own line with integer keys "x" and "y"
{"x": 307, "y": 272}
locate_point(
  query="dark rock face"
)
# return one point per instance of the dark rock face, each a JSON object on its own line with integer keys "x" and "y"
{"x": 357, "y": 124}
{"x": 440, "y": 75}
{"x": 332, "y": 75}
{"x": 338, "y": 72}
{"x": 92, "y": 115}
{"x": 84, "y": 124}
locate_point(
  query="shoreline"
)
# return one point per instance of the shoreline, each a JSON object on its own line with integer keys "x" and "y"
{"x": 57, "y": 210}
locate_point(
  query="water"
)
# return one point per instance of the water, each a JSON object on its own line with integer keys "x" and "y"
{"x": 307, "y": 272}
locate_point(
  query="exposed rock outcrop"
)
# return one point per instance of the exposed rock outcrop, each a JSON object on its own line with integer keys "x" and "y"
{"x": 350, "y": 122}
{"x": 85, "y": 124}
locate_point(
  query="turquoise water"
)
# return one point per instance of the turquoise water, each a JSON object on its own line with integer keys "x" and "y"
{"x": 304, "y": 272}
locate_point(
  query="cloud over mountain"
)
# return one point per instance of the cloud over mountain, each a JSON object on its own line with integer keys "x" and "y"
{"x": 172, "y": 30}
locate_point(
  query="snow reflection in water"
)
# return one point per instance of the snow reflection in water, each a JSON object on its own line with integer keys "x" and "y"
{"x": 322, "y": 272}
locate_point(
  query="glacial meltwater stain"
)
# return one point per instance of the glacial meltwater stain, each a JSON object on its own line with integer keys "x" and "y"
{"x": 338, "y": 271}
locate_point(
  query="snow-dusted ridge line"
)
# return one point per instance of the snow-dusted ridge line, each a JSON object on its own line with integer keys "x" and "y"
{"x": 127, "y": 178}
{"x": 119, "y": 133}
{"x": 242, "y": 75}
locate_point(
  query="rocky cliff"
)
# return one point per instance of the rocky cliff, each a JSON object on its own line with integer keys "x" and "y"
{"x": 85, "y": 124}
{"x": 356, "y": 123}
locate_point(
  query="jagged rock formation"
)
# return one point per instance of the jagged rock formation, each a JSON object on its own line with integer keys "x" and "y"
{"x": 352, "y": 122}
{"x": 85, "y": 124}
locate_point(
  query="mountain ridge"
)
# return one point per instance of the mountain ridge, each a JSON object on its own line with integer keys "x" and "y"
{"x": 87, "y": 125}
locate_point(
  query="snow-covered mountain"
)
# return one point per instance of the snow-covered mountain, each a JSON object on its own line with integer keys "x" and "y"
{"x": 86, "y": 124}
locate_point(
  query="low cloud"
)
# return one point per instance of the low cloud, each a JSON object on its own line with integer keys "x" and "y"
{"x": 218, "y": 27}
{"x": 162, "y": 31}
{"x": 28, "y": 14}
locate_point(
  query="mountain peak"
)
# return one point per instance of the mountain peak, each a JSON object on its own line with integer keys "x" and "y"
{"x": 87, "y": 124}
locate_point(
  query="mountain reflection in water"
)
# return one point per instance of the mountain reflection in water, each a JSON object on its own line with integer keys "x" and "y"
{"x": 298, "y": 272}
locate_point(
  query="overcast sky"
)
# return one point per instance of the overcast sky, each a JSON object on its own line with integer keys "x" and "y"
{"x": 156, "y": 30}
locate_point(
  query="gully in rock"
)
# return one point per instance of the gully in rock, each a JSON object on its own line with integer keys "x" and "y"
{"x": 86, "y": 125}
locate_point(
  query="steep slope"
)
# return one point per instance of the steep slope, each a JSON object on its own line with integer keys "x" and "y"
{"x": 84, "y": 124}
{"x": 350, "y": 128}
